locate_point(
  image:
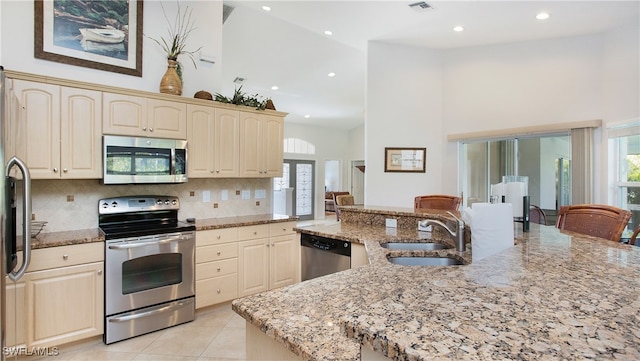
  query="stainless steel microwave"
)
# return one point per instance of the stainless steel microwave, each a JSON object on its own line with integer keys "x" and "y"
{"x": 131, "y": 160}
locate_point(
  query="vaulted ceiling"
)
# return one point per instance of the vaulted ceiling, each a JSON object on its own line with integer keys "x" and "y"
{"x": 287, "y": 47}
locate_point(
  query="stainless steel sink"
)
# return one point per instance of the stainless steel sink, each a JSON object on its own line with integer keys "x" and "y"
{"x": 426, "y": 261}
{"x": 430, "y": 246}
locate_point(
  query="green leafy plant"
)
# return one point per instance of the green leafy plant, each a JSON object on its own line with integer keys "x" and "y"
{"x": 241, "y": 98}
{"x": 175, "y": 44}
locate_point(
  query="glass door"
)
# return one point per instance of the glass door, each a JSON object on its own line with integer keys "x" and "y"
{"x": 293, "y": 192}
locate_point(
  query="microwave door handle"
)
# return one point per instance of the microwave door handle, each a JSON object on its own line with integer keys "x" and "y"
{"x": 26, "y": 217}
{"x": 173, "y": 161}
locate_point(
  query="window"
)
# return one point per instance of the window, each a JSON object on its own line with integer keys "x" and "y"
{"x": 295, "y": 145}
{"x": 624, "y": 150}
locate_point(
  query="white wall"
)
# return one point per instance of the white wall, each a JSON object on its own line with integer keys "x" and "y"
{"x": 415, "y": 97}
{"x": 404, "y": 109}
{"x": 17, "y": 47}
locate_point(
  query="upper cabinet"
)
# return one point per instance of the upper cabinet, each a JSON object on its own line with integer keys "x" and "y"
{"x": 143, "y": 117}
{"x": 261, "y": 145}
{"x": 55, "y": 130}
{"x": 213, "y": 139}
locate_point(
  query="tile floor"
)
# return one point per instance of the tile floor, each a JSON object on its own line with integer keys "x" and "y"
{"x": 217, "y": 334}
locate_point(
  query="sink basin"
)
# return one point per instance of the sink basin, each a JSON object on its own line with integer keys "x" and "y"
{"x": 414, "y": 246}
{"x": 426, "y": 261}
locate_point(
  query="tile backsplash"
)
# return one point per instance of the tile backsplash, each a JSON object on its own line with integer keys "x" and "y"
{"x": 73, "y": 204}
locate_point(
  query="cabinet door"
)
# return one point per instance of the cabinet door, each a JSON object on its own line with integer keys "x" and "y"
{"x": 253, "y": 267}
{"x": 226, "y": 142}
{"x": 15, "y": 313}
{"x": 250, "y": 145}
{"x": 37, "y": 127}
{"x": 200, "y": 138}
{"x": 64, "y": 304}
{"x": 124, "y": 115}
{"x": 80, "y": 133}
{"x": 166, "y": 119}
{"x": 273, "y": 147}
{"x": 284, "y": 261}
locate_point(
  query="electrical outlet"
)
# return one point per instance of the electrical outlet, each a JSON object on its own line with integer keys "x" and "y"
{"x": 257, "y": 203}
{"x": 391, "y": 223}
{"x": 215, "y": 205}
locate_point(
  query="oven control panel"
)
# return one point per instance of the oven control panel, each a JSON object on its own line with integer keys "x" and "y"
{"x": 137, "y": 204}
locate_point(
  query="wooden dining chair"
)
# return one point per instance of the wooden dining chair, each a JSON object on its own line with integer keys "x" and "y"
{"x": 343, "y": 200}
{"x": 632, "y": 240}
{"x": 596, "y": 220}
{"x": 437, "y": 201}
{"x": 537, "y": 215}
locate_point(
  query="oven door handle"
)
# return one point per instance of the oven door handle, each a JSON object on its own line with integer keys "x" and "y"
{"x": 179, "y": 238}
{"x": 162, "y": 309}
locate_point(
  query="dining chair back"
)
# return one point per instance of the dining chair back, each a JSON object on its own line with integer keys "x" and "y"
{"x": 343, "y": 200}
{"x": 596, "y": 220}
{"x": 537, "y": 215}
{"x": 437, "y": 201}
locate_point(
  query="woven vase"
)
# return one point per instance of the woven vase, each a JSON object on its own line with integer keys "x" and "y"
{"x": 170, "y": 82}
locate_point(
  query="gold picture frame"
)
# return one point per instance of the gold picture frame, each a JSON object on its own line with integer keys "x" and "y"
{"x": 411, "y": 160}
{"x": 110, "y": 39}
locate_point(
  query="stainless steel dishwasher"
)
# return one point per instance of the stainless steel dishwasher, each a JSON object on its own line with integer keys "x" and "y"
{"x": 322, "y": 256}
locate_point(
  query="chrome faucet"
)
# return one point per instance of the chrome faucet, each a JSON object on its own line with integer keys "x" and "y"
{"x": 459, "y": 234}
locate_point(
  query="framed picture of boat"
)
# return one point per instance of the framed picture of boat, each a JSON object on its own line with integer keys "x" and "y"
{"x": 98, "y": 34}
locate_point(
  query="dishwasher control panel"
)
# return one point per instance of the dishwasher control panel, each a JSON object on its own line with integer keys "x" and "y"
{"x": 326, "y": 244}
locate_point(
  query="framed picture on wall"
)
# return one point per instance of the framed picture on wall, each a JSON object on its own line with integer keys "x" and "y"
{"x": 405, "y": 160}
{"x": 98, "y": 34}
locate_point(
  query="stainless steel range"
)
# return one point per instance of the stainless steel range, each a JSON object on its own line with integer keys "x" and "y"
{"x": 149, "y": 265}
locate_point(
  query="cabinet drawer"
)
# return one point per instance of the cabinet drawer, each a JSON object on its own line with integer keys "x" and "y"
{"x": 281, "y": 228}
{"x": 216, "y": 236}
{"x": 216, "y": 252}
{"x": 253, "y": 232}
{"x": 216, "y": 268}
{"x": 216, "y": 290}
{"x": 63, "y": 256}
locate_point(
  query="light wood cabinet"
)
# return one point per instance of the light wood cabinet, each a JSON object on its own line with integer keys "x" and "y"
{"x": 143, "y": 117}
{"x": 213, "y": 140}
{"x": 216, "y": 266}
{"x": 270, "y": 260}
{"x": 261, "y": 145}
{"x": 60, "y": 298}
{"x": 56, "y": 130}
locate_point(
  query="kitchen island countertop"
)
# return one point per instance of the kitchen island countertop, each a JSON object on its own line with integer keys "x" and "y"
{"x": 554, "y": 295}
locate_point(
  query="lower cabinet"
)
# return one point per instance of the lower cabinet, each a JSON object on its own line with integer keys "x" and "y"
{"x": 268, "y": 262}
{"x": 60, "y": 298}
{"x": 216, "y": 266}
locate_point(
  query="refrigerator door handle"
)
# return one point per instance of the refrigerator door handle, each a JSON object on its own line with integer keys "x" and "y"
{"x": 26, "y": 216}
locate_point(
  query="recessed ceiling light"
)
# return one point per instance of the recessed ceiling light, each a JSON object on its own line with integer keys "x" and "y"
{"x": 331, "y": 75}
{"x": 542, "y": 16}
{"x": 266, "y": 8}
{"x": 328, "y": 32}
{"x": 307, "y": 116}
{"x": 275, "y": 87}
{"x": 458, "y": 28}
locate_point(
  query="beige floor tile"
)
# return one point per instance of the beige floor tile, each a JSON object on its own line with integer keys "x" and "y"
{"x": 236, "y": 321}
{"x": 187, "y": 340}
{"x": 103, "y": 355}
{"x": 230, "y": 343}
{"x": 135, "y": 344}
{"x": 156, "y": 357}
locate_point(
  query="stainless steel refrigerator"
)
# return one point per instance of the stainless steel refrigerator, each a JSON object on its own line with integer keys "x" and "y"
{"x": 13, "y": 190}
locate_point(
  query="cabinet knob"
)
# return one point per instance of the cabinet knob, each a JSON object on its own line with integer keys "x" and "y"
{"x": 55, "y": 170}
{"x": 65, "y": 257}
{"x": 255, "y": 233}
{"x": 218, "y": 269}
{"x": 99, "y": 272}
{"x": 218, "y": 253}
{"x": 217, "y": 170}
{"x": 219, "y": 236}
{"x": 151, "y": 129}
{"x": 218, "y": 290}
{"x": 65, "y": 170}
{"x": 211, "y": 171}
{"x": 144, "y": 128}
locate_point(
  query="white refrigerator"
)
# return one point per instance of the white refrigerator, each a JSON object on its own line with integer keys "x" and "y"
{"x": 13, "y": 190}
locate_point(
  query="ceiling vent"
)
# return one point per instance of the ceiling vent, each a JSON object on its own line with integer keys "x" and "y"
{"x": 421, "y": 6}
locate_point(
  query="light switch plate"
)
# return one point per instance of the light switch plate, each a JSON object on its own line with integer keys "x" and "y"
{"x": 391, "y": 223}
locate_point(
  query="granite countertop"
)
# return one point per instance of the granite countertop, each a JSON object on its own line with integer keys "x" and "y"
{"x": 555, "y": 295}
{"x": 56, "y": 239}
